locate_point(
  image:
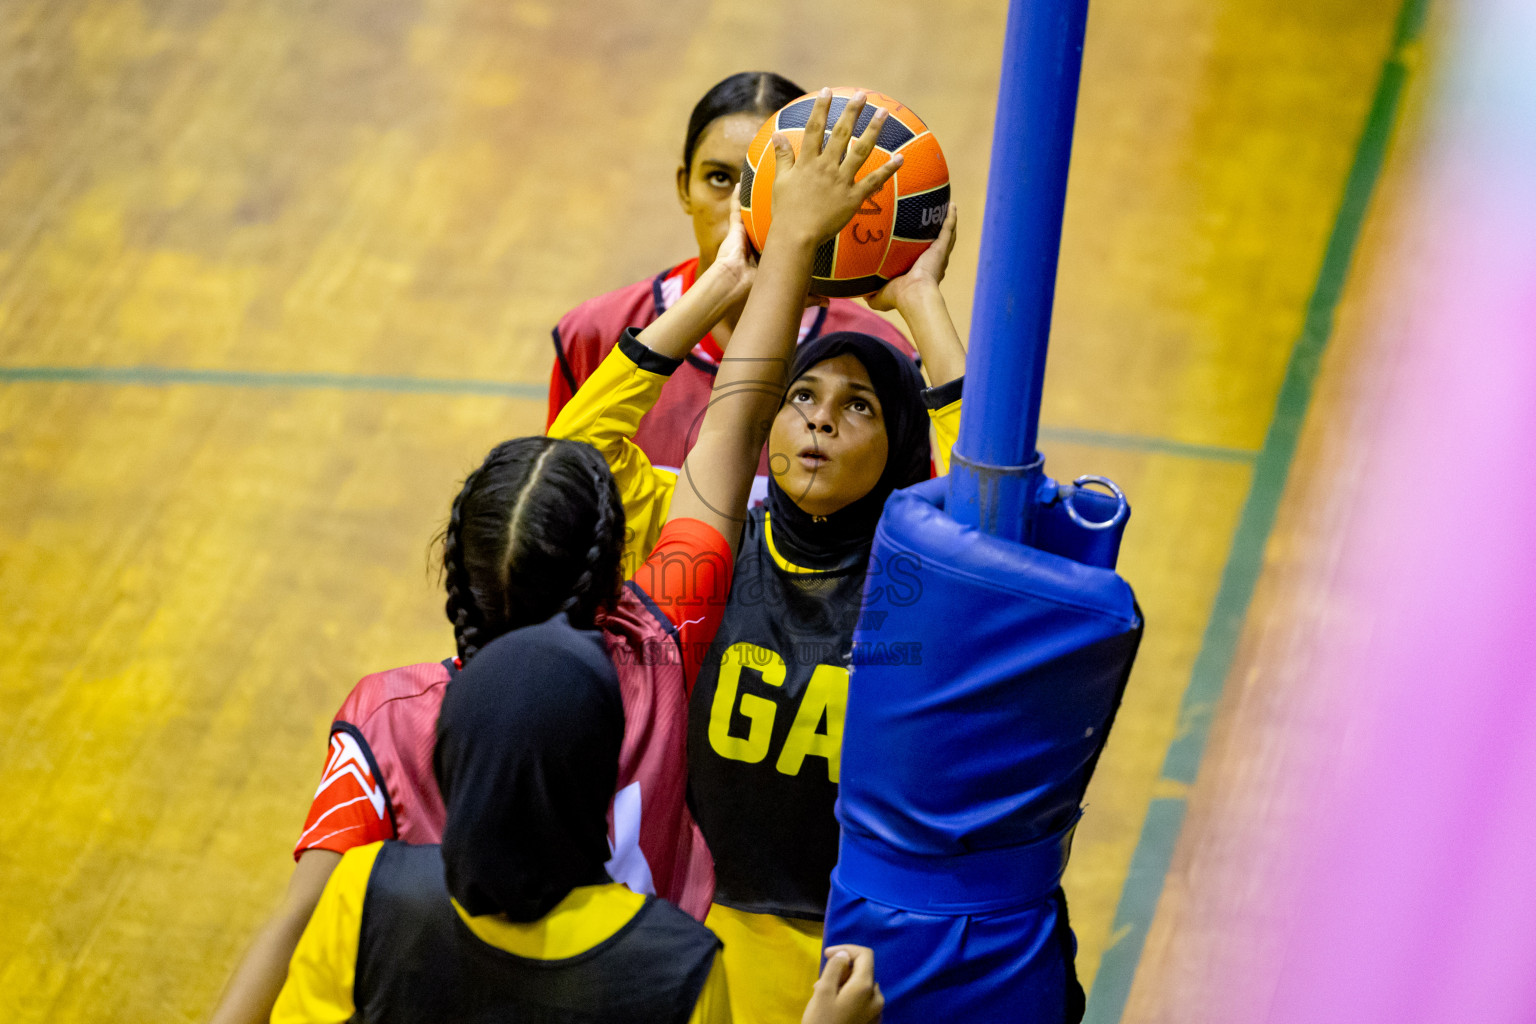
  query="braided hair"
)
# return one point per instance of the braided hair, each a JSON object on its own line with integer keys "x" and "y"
{"x": 537, "y": 530}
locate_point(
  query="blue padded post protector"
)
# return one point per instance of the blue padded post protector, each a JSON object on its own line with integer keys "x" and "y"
{"x": 982, "y": 690}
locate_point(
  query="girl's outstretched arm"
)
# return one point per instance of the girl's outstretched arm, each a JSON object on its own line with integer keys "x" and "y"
{"x": 606, "y": 411}
{"x": 727, "y": 281}
{"x": 916, "y": 296}
{"x": 814, "y": 196}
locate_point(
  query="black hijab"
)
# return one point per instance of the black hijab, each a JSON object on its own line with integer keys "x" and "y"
{"x": 527, "y": 757}
{"x": 843, "y": 538}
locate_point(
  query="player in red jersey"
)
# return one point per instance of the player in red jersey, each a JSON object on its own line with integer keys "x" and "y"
{"x": 537, "y": 531}
{"x": 723, "y": 123}
{"x": 378, "y": 781}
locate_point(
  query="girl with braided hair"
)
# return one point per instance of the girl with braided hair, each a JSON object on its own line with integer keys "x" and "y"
{"x": 537, "y": 534}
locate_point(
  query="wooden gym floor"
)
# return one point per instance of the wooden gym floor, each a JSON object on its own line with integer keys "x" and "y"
{"x": 273, "y": 277}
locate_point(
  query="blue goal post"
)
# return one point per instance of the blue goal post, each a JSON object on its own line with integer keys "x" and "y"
{"x": 995, "y": 471}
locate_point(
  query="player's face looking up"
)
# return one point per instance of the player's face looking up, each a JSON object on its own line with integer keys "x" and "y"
{"x": 704, "y": 187}
{"x": 828, "y": 445}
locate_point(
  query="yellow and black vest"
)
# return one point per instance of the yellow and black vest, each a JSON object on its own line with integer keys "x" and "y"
{"x": 765, "y": 727}
{"x": 417, "y": 961}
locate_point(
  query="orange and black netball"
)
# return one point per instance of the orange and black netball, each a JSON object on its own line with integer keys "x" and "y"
{"x": 895, "y": 224}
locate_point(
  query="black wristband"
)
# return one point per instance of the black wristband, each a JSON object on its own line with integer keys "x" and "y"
{"x": 936, "y": 398}
{"x": 652, "y": 362}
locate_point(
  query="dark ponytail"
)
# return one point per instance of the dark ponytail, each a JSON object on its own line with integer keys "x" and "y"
{"x": 537, "y": 530}
{"x": 746, "y": 92}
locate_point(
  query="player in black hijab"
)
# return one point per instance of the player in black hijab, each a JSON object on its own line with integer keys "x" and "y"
{"x": 844, "y": 535}
{"x": 514, "y": 916}
{"x": 766, "y": 714}
{"x": 853, "y": 427}
{"x": 526, "y": 758}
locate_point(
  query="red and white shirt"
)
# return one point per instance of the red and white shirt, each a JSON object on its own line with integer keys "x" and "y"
{"x": 378, "y": 781}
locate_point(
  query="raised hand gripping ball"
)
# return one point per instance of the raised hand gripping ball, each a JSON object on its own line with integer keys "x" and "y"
{"x": 895, "y": 224}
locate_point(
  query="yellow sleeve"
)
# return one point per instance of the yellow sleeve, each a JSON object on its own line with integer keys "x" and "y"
{"x": 605, "y": 412}
{"x": 714, "y": 1005}
{"x": 324, "y": 965}
{"x": 946, "y": 428}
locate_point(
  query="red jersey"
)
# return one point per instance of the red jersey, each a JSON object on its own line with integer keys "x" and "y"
{"x": 586, "y": 334}
{"x": 378, "y": 781}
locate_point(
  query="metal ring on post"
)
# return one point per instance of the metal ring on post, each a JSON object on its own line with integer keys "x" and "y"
{"x": 1121, "y": 512}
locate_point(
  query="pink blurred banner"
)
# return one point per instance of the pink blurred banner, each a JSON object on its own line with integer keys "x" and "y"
{"x": 1416, "y": 894}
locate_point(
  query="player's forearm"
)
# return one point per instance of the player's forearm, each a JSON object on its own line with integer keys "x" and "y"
{"x": 933, "y": 332}
{"x": 252, "y": 991}
{"x": 680, "y": 328}
{"x": 751, "y": 380}
{"x": 717, "y": 475}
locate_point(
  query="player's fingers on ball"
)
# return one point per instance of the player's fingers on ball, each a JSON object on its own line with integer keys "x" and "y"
{"x": 946, "y": 240}
{"x": 842, "y": 132}
{"x": 783, "y": 152}
{"x": 864, "y": 145}
{"x": 872, "y": 182}
{"x": 816, "y": 124}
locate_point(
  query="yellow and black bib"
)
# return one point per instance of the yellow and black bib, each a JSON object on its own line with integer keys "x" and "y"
{"x": 765, "y": 728}
{"x": 418, "y": 961}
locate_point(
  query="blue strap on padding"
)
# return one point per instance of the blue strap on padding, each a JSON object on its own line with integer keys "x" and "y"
{"x": 985, "y": 881}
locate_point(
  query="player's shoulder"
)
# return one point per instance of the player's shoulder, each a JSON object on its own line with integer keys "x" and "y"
{"x": 634, "y": 619}
{"x": 604, "y": 316}
{"x": 408, "y": 688}
{"x": 847, "y": 315}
